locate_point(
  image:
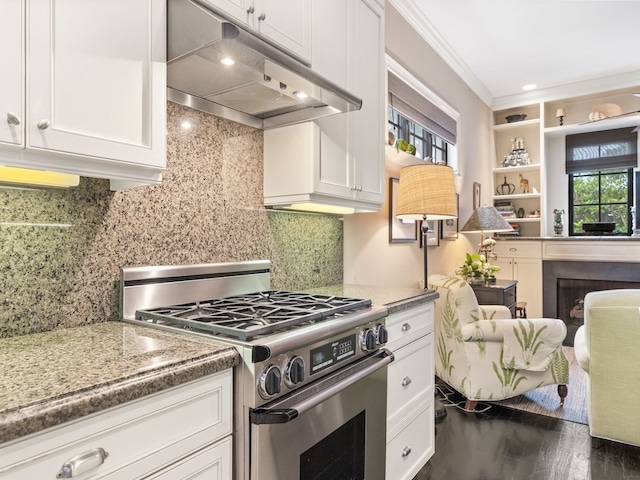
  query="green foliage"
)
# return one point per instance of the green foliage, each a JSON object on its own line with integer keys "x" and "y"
{"x": 509, "y": 378}
{"x": 601, "y": 197}
{"x": 560, "y": 367}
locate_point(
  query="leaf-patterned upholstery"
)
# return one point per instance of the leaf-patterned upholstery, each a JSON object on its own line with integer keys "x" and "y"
{"x": 470, "y": 346}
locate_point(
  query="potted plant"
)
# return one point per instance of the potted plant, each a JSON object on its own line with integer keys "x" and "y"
{"x": 476, "y": 269}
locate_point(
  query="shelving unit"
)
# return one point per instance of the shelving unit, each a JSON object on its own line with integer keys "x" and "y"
{"x": 505, "y": 135}
{"x": 544, "y": 140}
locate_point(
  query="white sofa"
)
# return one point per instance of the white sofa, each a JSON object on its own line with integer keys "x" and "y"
{"x": 606, "y": 347}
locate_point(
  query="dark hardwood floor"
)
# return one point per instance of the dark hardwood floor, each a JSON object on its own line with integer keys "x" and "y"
{"x": 503, "y": 444}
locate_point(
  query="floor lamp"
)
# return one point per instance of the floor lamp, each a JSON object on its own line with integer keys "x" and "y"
{"x": 486, "y": 219}
{"x": 427, "y": 192}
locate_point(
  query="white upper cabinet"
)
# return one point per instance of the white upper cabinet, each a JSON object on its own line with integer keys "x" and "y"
{"x": 12, "y": 78}
{"x": 94, "y": 87}
{"x": 337, "y": 160}
{"x": 286, "y": 23}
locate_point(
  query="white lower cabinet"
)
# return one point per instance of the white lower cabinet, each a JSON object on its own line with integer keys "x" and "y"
{"x": 522, "y": 261}
{"x": 183, "y": 432}
{"x": 410, "y": 392}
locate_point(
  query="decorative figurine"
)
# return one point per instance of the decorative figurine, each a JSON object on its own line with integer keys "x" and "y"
{"x": 524, "y": 184}
{"x": 558, "y": 227}
{"x": 506, "y": 188}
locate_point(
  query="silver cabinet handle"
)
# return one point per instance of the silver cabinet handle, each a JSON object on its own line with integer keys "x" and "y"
{"x": 43, "y": 124}
{"x": 513, "y": 249}
{"x": 82, "y": 463}
{"x": 406, "y": 381}
{"x": 251, "y": 9}
{"x": 262, "y": 16}
{"x": 406, "y": 327}
{"x": 406, "y": 451}
{"x": 13, "y": 119}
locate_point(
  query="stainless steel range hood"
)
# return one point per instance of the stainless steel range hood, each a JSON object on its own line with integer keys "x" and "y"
{"x": 263, "y": 87}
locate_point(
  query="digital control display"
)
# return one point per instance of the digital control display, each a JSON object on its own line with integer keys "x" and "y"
{"x": 331, "y": 353}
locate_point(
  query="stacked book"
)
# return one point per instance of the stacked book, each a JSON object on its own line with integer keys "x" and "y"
{"x": 505, "y": 208}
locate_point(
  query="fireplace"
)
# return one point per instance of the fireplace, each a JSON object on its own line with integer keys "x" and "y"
{"x": 565, "y": 284}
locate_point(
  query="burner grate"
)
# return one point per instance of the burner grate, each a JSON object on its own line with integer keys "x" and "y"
{"x": 251, "y": 315}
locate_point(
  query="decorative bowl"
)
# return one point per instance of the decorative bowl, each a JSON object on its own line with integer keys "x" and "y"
{"x": 516, "y": 117}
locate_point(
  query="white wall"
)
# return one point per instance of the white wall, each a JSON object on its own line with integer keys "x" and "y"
{"x": 369, "y": 258}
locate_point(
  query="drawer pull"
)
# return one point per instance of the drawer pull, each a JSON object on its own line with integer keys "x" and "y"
{"x": 406, "y": 327}
{"x": 406, "y": 451}
{"x": 513, "y": 249}
{"x": 406, "y": 381}
{"x": 82, "y": 463}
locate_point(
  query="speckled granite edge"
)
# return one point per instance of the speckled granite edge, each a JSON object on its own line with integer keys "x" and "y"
{"x": 412, "y": 302}
{"x": 39, "y": 416}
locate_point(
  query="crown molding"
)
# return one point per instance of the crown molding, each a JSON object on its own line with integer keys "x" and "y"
{"x": 421, "y": 24}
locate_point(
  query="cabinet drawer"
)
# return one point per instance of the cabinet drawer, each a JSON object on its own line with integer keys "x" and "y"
{"x": 409, "y": 378}
{"x": 412, "y": 447}
{"x": 518, "y": 249}
{"x": 409, "y": 325}
{"x": 212, "y": 463}
{"x": 510, "y": 296}
{"x": 140, "y": 436}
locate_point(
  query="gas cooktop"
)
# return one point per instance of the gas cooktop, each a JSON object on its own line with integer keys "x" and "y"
{"x": 250, "y": 315}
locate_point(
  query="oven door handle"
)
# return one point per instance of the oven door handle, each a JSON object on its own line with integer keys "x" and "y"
{"x": 263, "y": 416}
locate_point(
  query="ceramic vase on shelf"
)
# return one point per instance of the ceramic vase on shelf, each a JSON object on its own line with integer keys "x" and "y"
{"x": 558, "y": 225}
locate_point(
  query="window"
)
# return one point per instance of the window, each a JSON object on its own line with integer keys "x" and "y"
{"x": 601, "y": 196}
{"x": 600, "y": 168}
{"x": 427, "y": 143}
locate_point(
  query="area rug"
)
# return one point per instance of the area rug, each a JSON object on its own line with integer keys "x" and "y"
{"x": 545, "y": 400}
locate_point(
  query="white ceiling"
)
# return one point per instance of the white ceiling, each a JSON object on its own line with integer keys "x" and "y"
{"x": 562, "y": 46}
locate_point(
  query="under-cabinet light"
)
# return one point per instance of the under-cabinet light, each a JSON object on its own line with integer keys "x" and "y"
{"x": 25, "y": 176}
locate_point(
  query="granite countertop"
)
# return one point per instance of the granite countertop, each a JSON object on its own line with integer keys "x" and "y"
{"x": 395, "y": 299}
{"x": 54, "y": 377}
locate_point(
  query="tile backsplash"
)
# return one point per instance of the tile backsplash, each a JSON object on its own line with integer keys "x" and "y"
{"x": 61, "y": 250}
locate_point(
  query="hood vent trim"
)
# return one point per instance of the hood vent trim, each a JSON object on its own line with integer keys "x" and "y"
{"x": 258, "y": 90}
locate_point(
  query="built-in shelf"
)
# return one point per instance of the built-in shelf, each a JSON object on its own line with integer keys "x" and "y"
{"x": 604, "y": 124}
{"x": 518, "y": 169}
{"x": 522, "y": 220}
{"x": 516, "y": 196}
{"x": 513, "y": 125}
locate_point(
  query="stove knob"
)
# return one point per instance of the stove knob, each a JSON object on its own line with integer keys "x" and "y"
{"x": 294, "y": 372}
{"x": 383, "y": 335}
{"x": 368, "y": 340}
{"x": 270, "y": 381}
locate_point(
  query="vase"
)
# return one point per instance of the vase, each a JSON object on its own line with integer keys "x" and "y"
{"x": 558, "y": 225}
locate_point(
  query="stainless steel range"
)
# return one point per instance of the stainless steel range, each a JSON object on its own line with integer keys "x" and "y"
{"x": 310, "y": 392}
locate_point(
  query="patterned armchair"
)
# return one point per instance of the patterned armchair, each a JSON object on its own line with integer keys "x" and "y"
{"x": 485, "y": 354}
{"x": 606, "y": 348}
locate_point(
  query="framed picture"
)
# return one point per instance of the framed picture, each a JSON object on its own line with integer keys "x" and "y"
{"x": 476, "y": 195}
{"x": 433, "y": 238}
{"x": 449, "y": 228}
{"x": 399, "y": 230}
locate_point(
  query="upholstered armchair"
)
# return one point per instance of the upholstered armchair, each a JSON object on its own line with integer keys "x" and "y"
{"x": 485, "y": 354}
{"x": 607, "y": 349}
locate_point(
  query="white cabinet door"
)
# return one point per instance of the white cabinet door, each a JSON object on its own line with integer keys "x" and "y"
{"x": 241, "y": 10}
{"x": 285, "y": 22}
{"x": 97, "y": 79}
{"x": 528, "y": 273}
{"x": 368, "y": 82}
{"x": 12, "y": 78}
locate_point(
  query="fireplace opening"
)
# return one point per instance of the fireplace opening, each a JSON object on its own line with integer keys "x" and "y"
{"x": 565, "y": 285}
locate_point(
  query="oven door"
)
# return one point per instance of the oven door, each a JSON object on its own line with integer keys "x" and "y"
{"x": 333, "y": 429}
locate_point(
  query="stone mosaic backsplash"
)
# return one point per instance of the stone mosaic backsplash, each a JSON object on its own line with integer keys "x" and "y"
{"x": 61, "y": 250}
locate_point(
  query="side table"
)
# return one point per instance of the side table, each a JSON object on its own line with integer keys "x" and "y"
{"x": 503, "y": 292}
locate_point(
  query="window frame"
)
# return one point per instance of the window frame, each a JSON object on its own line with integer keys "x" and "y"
{"x": 600, "y": 174}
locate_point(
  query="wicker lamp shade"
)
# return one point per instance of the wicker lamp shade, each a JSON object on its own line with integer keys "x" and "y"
{"x": 486, "y": 219}
{"x": 427, "y": 191}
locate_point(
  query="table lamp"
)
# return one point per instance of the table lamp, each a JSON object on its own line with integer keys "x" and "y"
{"x": 427, "y": 192}
{"x": 486, "y": 219}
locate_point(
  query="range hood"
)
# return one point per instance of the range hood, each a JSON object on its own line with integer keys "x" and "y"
{"x": 263, "y": 88}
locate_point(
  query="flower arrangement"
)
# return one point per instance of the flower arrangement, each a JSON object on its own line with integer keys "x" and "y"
{"x": 476, "y": 269}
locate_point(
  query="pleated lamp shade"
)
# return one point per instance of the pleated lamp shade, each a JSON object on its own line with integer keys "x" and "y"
{"x": 486, "y": 219}
{"x": 426, "y": 190}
